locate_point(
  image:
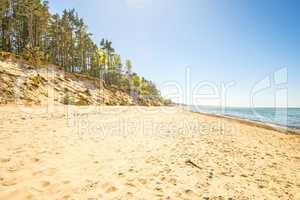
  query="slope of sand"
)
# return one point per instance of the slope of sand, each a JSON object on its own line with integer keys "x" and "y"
{"x": 142, "y": 153}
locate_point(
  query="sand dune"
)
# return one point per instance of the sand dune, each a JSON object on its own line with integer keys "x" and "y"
{"x": 142, "y": 153}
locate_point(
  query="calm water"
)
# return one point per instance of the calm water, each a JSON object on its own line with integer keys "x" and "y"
{"x": 286, "y": 117}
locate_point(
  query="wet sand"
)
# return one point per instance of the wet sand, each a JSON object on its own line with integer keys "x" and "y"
{"x": 142, "y": 153}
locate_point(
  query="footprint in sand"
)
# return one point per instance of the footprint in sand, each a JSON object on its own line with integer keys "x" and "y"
{"x": 109, "y": 188}
{"x": 5, "y": 160}
{"x": 121, "y": 174}
{"x": 129, "y": 195}
{"x": 177, "y": 194}
{"x": 45, "y": 183}
{"x": 191, "y": 193}
{"x": 131, "y": 169}
{"x": 142, "y": 181}
{"x": 158, "y": 191}
{"x": 9, "y": 182}
{"x": 66, "y": 197}
{"x": 66, "y": 182}
{"x": 12, "y": 169}
{"x": 90, "y": 186}
{"x": 49, "y": 172}
{"x": 173, "y": 181}
{"x": 130, "y": 184}
{"x": 35, "y": 160}
{"x": 41, "y": 186}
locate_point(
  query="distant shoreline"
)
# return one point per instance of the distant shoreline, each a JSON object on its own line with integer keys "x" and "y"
{"x": 249, "y": 122}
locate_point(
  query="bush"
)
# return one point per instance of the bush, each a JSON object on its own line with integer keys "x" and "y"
{"x": 168, "y": 102}
{"x": 68, "y": 100}
{"x": 5, "y": 55}
{"x": 36, "y": 80}
{"x": 34, "y": 56}
{"x": 82, "y": 101}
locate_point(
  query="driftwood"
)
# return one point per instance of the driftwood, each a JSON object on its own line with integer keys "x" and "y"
{"x": 189, "y": 162}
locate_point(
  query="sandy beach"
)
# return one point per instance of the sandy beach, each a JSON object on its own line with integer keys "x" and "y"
{"x": 142, "y": 153}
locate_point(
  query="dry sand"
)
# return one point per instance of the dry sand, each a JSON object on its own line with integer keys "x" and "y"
{"x": 142, "y": 153}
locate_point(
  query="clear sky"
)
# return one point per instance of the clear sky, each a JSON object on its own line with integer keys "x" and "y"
{"x": 244, "y": 41}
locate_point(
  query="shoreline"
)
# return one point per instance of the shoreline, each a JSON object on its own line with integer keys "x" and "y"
{"x": 249, "y": 122}
{"x": 259, "y": 124}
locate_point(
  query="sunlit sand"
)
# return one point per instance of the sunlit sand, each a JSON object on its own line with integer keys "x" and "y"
{"x": 142, "y": 153}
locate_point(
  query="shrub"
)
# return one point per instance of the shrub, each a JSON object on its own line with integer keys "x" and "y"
{"x": 5, "y": 55}
{"x": 36, "y": 80}
{"x": 68, "y": 100}
{"x": 82, "y": 101}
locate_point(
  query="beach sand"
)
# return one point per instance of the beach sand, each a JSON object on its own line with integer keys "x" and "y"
{"x": 142, "y": 153}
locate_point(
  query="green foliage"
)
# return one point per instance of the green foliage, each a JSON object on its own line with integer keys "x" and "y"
{"x": 68, "y": 100}
{"x": 136, "y": 80}
{"x": 34, "y": 57}
{"x": 28, "y": 30}
{"x": 5, "y": 55}
{"x": 82, "y": 101}
{"x": 128, "y": 67}
{"x": 36, "y": 81}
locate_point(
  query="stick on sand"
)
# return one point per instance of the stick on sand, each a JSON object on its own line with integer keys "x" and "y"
{"x": 189, "y": 162}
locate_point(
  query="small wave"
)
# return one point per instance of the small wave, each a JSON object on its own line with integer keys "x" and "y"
{"x": 277, "y": 117}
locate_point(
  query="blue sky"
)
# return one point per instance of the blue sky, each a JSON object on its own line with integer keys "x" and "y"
{"x": 244, "y": 41}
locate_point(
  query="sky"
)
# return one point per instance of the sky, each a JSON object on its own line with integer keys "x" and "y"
{"x": 204, "y": 52}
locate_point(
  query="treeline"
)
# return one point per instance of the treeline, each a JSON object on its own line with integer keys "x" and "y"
{"x": 29, "y": 30}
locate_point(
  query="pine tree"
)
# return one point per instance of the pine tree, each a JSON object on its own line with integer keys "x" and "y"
{"x": 28, "y": 29}
{"x": 6, "y": 29}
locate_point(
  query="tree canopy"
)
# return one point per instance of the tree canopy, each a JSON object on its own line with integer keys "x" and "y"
{"x": 29, "y": 30}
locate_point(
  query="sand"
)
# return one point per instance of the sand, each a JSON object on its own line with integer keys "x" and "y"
{"x": 142, "y": 153}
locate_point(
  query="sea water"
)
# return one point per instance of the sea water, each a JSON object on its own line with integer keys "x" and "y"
{"x": 285, "y": 117}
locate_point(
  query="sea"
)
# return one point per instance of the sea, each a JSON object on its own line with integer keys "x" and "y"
{"x": 283, "y": 117}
